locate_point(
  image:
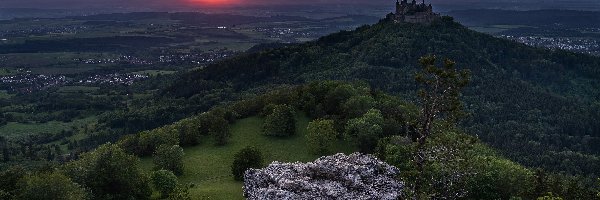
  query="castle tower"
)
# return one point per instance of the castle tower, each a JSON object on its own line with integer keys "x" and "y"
{"x": 413, "y": 12}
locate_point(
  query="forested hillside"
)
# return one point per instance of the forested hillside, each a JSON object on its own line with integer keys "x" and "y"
{"x": 290, "y": 124}
{"x": 538, "y": 107}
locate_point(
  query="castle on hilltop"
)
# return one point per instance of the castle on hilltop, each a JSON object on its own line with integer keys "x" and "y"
{"x": 413, "y": 12}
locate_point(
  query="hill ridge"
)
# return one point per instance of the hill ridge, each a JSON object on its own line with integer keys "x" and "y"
{"x": 524, "y": 101}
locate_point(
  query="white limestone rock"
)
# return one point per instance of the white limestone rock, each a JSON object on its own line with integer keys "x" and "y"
{"x": 339, "y": 176}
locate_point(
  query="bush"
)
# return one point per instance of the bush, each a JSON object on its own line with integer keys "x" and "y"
{"x": 9, "y": 180}
{"x": 51, "y": 186}
{"x": 216, "y": 124}
{"x": 321, "y": 134}
{"x": 149, "y": 141}
{"x": 245, "y": 159}
{"x": 110, "y": 173}
{"x": 366, "y": 130}
{"x": 281, "y": 122}
{"x": 169, "y": 158}
{"x": 189, "y": 131}
{"x": 131, "y": 144}
{"x": 358, "y": 105}
{"x": 181, "y": 192}
{"x": 164, "y": 181}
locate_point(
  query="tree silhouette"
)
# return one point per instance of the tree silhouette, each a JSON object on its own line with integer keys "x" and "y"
{"x": 439, "y": 94}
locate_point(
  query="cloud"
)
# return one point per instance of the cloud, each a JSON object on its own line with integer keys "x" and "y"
{"x": 162, "y": 3}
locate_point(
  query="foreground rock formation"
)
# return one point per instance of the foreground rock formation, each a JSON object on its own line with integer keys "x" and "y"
{"x": 339, "y": 176}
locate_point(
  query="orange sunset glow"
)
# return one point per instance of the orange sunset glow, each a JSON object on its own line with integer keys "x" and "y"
{"x": 213, "y": 2}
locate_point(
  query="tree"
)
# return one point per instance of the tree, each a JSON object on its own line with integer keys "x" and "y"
{"x": 169, "y": 158}
{"x": 358, "y": 105}
{"x": 52, "y": 186}
{"x": 4, "y": 147}
{"x": 366, "y": 130}
{"x": 220, "y": 130}
{"x": 149, "y": 141}
{"x": 320, "y": 136}
{"x": 181, "y": 192}
{"x": 549, "y": 196}
{"x": 131, "y": 144}
{"x": 281, "y": 122}
{"x": 216, "y": 124}
{"x": 164, "y": 181}
{"x": 247, "y": 158}
{"x": 598, "y": 188}
{"x": 189, "y": 132}
{"x": 10, "y": 178}
{"x": 439, "y": 96}
{"x": 109, "y": 173}
{"x": 5, "y": 195}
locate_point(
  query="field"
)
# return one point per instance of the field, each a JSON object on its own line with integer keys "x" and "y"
{"x": 15, "y": 129}
{"x": 77, "y": 89}
{"x": 208, "y": 167}
{"x": 5, "y": 95}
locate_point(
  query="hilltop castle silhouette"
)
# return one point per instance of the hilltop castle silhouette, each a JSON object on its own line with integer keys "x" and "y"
{"x": 413, "y": 12}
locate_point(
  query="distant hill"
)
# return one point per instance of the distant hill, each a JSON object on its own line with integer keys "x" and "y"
{"x": 565, "y": 18}
{"x": 191, "y": 18}
{"x": 198, "y": 18}
{"x": 539, "y": 107}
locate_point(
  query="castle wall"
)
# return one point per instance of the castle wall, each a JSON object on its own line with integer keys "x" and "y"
{"x": 413, "y": 13}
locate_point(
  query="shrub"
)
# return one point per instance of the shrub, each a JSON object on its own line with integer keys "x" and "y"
{"x": 245, "y": 159}
{"x": 189, "y": 131}
{"x": 169, "y": 158}
{"x": 51, "y": 186}
{"x": 281, "y": 122}
{"x": 149, "y": 141}
{"x": 164, "y": 181}
{"x": 216, "y": 124}
{"x": 366, "y": 130}
{"x": 106, "y": 167}
{"x": 321, "y": 134}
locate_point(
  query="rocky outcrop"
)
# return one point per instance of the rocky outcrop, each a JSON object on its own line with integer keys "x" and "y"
{"x": 339, "y": 176}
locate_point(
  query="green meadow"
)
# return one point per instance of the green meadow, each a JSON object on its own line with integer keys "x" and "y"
{"x": 208, "y": 167}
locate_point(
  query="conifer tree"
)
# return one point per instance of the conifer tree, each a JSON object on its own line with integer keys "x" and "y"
{"x": 440, "y": 100}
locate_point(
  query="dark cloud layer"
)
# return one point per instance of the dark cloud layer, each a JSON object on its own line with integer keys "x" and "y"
{"x": 179, "y": 3}
{"x": 160, "y": 3}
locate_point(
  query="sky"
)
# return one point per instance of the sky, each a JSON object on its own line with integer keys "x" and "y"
{"x": 160, "y": 3}
{"x": 69, "y": 4}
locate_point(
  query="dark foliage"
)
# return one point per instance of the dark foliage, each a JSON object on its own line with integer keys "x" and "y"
{"x": 245, "y": 159}
{"x": 281, "y": 122}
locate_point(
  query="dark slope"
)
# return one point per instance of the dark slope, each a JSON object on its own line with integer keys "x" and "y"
{"x": 539, "y": 107}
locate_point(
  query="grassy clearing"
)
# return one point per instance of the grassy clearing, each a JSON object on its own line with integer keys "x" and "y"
{"x": 209, "y": 166}
{"x": 5, "y": 71}
{"x": 5, "y": 95}
{"x": 14, "y": 129}
{"x": 77, "y": 89}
